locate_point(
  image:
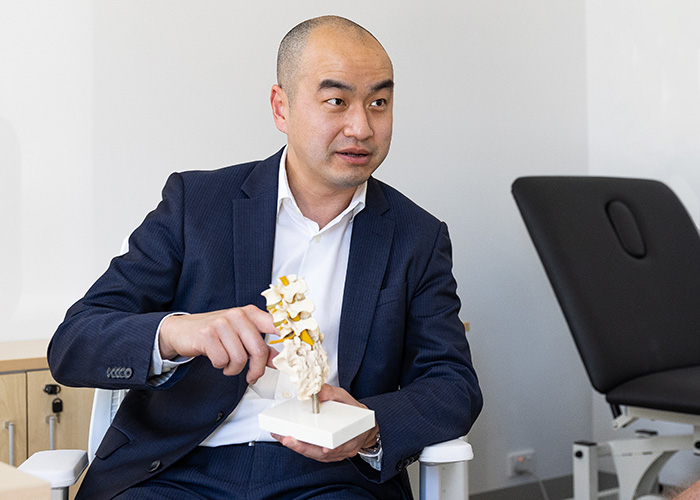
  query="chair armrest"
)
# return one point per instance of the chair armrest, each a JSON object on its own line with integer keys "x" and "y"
{"x": 456, "y": 450}
{"x": 61, "y": 468}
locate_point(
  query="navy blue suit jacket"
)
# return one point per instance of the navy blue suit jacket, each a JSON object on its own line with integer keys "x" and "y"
{"x": 209, "y": 245}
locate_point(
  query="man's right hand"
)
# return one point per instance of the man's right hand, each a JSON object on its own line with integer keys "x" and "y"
{"x": 229, "y": 338}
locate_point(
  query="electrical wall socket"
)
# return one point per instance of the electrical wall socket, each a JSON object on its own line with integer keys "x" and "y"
{"x": 521, "y": 462}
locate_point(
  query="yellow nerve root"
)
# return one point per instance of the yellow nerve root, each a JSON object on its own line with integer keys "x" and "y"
{"x": 288, "y": 336}
{"x": 306, "y": 337}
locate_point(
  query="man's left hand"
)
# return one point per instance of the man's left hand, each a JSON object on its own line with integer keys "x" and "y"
{"x": 346, "y": 450}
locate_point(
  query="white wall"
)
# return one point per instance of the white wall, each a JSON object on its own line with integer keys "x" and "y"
{"x": 644, "y": 121}
{"x": 523, "y": 79}
{"x": 46, "y": 129}
{"x": 99, "y": 101}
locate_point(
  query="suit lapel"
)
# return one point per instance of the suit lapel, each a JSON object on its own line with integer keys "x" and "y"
{"x": 254, "y": 217}
{"x": 372, "y": 235}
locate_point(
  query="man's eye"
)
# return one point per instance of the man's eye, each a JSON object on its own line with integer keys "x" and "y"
{"x": 335, "y": 101}
{"x": 379, "y": 102}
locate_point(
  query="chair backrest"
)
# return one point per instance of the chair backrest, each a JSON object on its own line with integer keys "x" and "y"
{"x": 104, "y": 407}
{"x": 105, "y": 403}
{"x": 623, "y": 258}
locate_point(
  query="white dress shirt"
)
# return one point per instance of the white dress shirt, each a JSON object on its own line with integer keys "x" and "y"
{"x": 320, "y": 256}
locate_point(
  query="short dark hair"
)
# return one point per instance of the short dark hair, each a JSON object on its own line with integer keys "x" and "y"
{"x": 293, "y": 44}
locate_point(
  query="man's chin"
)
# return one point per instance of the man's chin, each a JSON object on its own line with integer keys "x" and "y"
{"x": 354, "y": 179}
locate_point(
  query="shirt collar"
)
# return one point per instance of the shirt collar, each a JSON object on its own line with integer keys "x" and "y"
{"x": 357, "y": 203}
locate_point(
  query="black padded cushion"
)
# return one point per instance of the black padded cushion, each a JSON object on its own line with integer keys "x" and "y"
{"x": 673, "y": 390}
{"x": 623, "y": 258}
{"x": 626, "y": 228}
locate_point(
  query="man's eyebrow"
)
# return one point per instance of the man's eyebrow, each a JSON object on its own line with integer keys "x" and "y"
{"x": 385, "y": 84}
{"x": 329, "y": 83}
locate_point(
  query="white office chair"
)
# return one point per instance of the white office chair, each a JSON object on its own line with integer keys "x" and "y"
{"x": 443, "y": 466}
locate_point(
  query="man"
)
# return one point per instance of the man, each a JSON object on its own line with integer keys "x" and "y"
{"x": 692, "y": 493}
{"x": 179, "y": 319}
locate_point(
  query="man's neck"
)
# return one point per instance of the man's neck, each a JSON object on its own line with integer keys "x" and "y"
{"x": 321, "y": 208}
{"x": 317, "y": 202}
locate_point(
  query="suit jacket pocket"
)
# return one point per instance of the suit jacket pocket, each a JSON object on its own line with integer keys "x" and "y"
{"x": 392, "y": 293}
{"x": 113, "y": 440}
{"x": 390, "y": 315}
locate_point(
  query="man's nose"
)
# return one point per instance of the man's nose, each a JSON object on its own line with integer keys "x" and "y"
{"x": 358, "y": 125}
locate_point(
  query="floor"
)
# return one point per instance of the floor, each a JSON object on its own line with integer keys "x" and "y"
{"x": 557, "y": 489}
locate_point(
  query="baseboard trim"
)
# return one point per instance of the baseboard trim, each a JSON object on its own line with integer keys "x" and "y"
{"x": 558, "y": 488}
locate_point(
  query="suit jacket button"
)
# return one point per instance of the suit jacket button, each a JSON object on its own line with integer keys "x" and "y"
{"x": 155, "y": 465}
{"x": 219, "y": 416}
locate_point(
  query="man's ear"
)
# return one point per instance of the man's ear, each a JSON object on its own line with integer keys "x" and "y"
{"x": 280, "y": 107}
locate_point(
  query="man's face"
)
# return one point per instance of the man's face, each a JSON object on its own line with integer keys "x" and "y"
{"x": 340, "y": 111}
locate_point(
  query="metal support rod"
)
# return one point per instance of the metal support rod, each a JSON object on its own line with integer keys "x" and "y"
{"x": 10, "y": 426}
{"x": 51, "y": 420}
{"x": 59, "y": 494}
{"x": 315, "y": 405}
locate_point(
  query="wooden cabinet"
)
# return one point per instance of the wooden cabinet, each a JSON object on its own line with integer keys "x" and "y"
{"x": 13, "y": 418}
{"x": 18, "y": 485}
{"x": 69, "y": 428}
{"x": 27, "y": 416}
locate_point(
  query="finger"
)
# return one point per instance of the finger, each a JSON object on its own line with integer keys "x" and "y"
{"x": 236, "y": 355}
{"x": 244, "y": 344}
{"x": 256, "y": 368}
{"x": 262, "y": 320}
{"x": 272, "y": 354}
{"x": 332, "y": 393}
{"x": 327, "y": 393}
{"x": 261, "y": 353}
{"x": 319, "y": 453}
{"x": 258, "y": 354}
{"x": 312, "y": 451}
{"x": 213, "y": 347}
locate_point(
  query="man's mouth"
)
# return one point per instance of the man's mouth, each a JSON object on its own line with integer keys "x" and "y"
{"x": 354, "y": 153}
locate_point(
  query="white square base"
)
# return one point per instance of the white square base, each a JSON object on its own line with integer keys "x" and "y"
{"x": 335, "y": 424}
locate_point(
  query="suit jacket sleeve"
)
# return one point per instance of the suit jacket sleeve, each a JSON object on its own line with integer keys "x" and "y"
{"x": 107, "y": 337}
{"x": 438, "y": 397}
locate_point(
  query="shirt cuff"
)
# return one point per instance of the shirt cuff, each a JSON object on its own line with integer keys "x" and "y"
{"x": 373, "y": 455}
{"x": 161, "y": 370}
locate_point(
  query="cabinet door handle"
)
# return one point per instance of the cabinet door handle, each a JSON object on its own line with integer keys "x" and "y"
{"x": 10, "y": 426}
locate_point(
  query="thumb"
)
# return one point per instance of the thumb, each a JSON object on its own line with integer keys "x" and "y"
{"x": 271, "y": 354}
{"x": 332, "y": 393}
